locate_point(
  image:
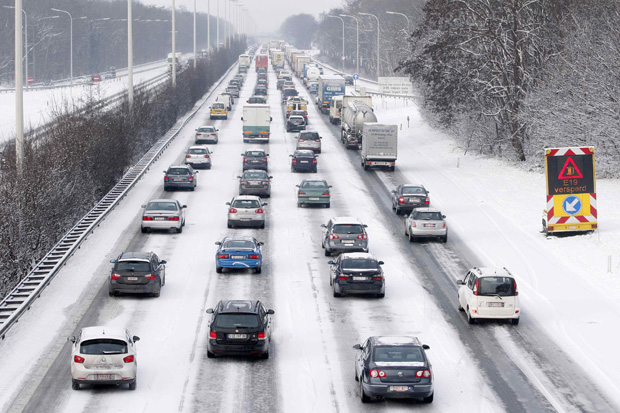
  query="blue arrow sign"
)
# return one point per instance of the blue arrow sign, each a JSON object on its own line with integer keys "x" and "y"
{"x": 571, "y": 205}
{"x": 355, "y": 76}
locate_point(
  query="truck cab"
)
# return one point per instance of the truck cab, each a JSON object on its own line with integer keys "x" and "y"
{"x": 335, "y": 110}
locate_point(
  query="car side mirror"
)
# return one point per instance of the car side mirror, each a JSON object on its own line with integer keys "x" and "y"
{"x": 443, "y": 216}
{"x": 165, "y": 171}
{"x": 135, "y": 338}
{"x": 270, "y": 311}
{"x": 238, "y": 177}
{"x": 270, "y": 118}
{"x": 163, "y": 262}
{"x": 71, "y": 339}
{"x": 330, "y": 262}
{"x": 291, "y": 156}
{"x": 196, "y": 172}
{"x": 227, "y": 203}
{"x": 329, "y": 186}
{"x": 357, "y": 347}
{"x": 218, "y": 243}
{"x": 113, "y": 261}
{"x": 142, "y": 206}
{"x": 266, "y": 154}
{"x": 184, "y": 206}
{"x": 217, "y": 130}
{"x": 297, "y": 186}
{"x": 271, "y": 177}
{"x": 210, "y": 311}
{"x": 426, "y": 347}
{"x": 381, "y": 263}
{"x": 460, "y": 282}
{"x": 261, "y": 243}
{"x": 323, "y": 226}
{"x": 365, "y": 226}
{"x": 393, "y": 191}
{"x": 241, "y": 117}
{"x": 264, "y": 203}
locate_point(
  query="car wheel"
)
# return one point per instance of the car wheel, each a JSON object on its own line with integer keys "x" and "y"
{"x": 230, "y": 225}
{"x": 356, "y": 378}
{"x": 470, "y": 319}
{"x": 144, "y": 230}
{"x": 210, "y": 355}
{"x": 327, "y": 205}
{"x": 445, "y": 238}
{"x": 258, "y": 270}
{"x": 314, "y": 170}
{"x": 397, "y": 210}
{"x": 429, "y": 399}
{"x": 111, "y": 293}
{"x": 335, "y": 293}
{"x": 299, "y": 205}
{"x": 193, "y": 188}
{"x": 458, "y": 300}
{"x": 380, "y": 295}
{"x": 158, "y": 292}
{"x": 166, "y": 189}
{"x": 218, "y": 269}
{"x": 515, "y": 321}
{"x": 133, "y": 384}
{"x": 262, "y": 226}
{"x": 265, "y": 355}
{"x": 328, "y": 253}
{"x": 363, "y": 396}
{"x": 411, "y": 238}
{"x": 163, "y": 281}
{"x": 180, "y": 229}
{"x": 75, "y": 385}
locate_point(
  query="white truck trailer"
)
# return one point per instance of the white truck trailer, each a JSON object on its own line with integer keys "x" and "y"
{"x": 379, "y": 146}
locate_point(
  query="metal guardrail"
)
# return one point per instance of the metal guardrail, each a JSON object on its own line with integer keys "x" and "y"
{"x": 20, "y": 299}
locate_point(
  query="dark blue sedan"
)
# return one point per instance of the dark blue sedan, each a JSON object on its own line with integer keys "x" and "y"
{"x": 239, "y": 253}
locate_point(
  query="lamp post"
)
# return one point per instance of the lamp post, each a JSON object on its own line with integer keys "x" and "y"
{"x": 208, "y": 26}
{"x": 174, "y": 55}
{"x": 342, "y": 20}
{"x": 130, "y": 56}
{"x": 70, "y": 41}
{"x": 25, "y": 40}
{"x": 195, "y": 57}
{"x": 357, "y": 42}
{"x": 400, "y": 14}
{"x": 217, "y": 46}
{"x": 378, "y": 48}
{"x": 19, "y": 92}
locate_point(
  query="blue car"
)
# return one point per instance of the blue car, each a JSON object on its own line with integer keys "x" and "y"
{"x": 239, "y": 253}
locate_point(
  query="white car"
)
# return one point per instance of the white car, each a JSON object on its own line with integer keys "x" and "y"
{"x": 104, "y": 355}
{"x": 489, "y": 293}
{"x": 163, "y": 214}
{"x": 246, "y": 211}
{"x": 206, "y": 134}
{"x": 198, "y": 156}
{"x": 426, "y": 223}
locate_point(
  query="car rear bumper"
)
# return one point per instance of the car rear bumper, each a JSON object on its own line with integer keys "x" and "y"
{"x": 127, "y": 374}
{"x": 171, "y": 185}
{"x": 346, "y": 248}
{"x": 197, "y": 164}
{"x": 240, "y": 264}
{"x": 161, "y": 224}
{"x": 150, "y": 288}
{"x": 486, "y": 315}
{"x": 385, "y": 390}
{"x": 238, "y": 349}
{"x": 313, "y": 199}
{"x": 304, "y": 167}
{"x": 251, "y": 222}
{"x": 256, "y": 138}
{"x": 428, "y": 232}
{"x": 359, "y": 288}
{"x": 218, "y": 116}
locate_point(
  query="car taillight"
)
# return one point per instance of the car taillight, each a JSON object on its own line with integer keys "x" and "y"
{"x": 198, "y": 134}
{"x": 253, "y": 257}
{"x": 145, "y": 218}
{"x": 264, "y": 159}
{"x": 325, "y": 193}
{"x": 377, "y": 278}
{"x": 444, "y": 225}
{"x": 265, "y": 182}
{"x": 516, "y": 290}
{"x": 128, "y": 359}
{"x": 206, "y": 156}
{"x": 150, "y": 277}
{"x": 376, "y": 373}
{"x": 245, "y": 159}
{"x": 294, "y": 160}
{"x": 314, "y": 161}
{"x": 223, "y": 256}
{"x": 114, "y": 276}
{"x": 191, "y": 178}
{"x": 476, "y": 287}
{"x": 302, "y": 140}
{"x": 165, "y": 178}
{"x": 173, "y": 218}
{"x": 78, "y": 359}
{"x": 401, "y": 200}
{"x": 423, "y": 373}
{"x": 317, "y": 140}
{"x": 363, "y": 236}
{"x": 343, "y": 277}
{"x": 212, "y": 335}
{"x": 259, "y": 211}
{"x": 262, "y": 336}
{"x": 334, "y": 236}
{"x": 427, "y": 200}
{"x": 413, "y": 224}
{"x": 368, "y": 163}
{"x": 188, "y": 156}
{"x": 232, "y": 211}
{"x": 301, "y": 193}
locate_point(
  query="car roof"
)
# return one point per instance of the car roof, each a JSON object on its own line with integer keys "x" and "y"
{"x": 304, "y": 151}
{"x": 491, "y": 272}
{"x": 207, "y": 126}
{"x": 358, "y": 255}
{"x": 412, "y": 186}
{"x": 198, "y": 147}
{"x": 254, "y": 150}
{"x": 395, "y": 341}
{"x": 314, "y": 180}
{"x": 346, "y": 220}
{"x": 239, "y": 238}
{"x": 246, "y": 197}
{"x": 103, "y": 332}
{"x": 179, "y": 166}
{"x": 238, "y": 306}
{"x": 296, "y": 116}
{"x": 427, "y": 209}
{"x": 255, "y": 170}
{"x": 129, "y": 255}
{"x": 163, "y": 200}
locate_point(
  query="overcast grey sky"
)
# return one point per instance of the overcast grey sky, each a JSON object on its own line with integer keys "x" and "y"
{"x": 268, "y": 14}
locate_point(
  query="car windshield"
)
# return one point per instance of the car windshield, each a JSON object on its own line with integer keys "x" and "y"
{"x": 309, "y": 135}
{"x": 359, "y": 264}
{"x": 290, "y": 92}
{"x": 296, "y": 119}
{"x": 314, "y": 185}
{"x": 413, "y": 190}
{"x": 236, "y": 320}
{"x": 245, "y": 203}
{"x": 398, "y": 354}
{"x": 133, "y": 266}
{"x": 348, "y": 229}
{"x": 427, "y": 216}
{"x": 178, "y": 171}
{"x": 103, "y": 346}
{"x": 502, "y": 286}
{"x": 162, "y": 206}
{"x": 197, "y": 151}
{"x": 218, "y": 106}
{"x": 205, "y": 129}
{"x": 256, "y": 100}
{"x": 255, "y": 154}
{"x": 254, "y": 175}
{"x": 239, "y": 244}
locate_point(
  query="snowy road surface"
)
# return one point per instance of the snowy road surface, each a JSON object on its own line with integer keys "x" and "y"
{"x": 487, "y": 367}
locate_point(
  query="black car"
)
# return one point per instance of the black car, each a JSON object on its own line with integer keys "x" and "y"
{"x": 409, "y": 196}
{"x": 263, "y": 82}
{"x": 260, "y": 90}
{"x": 235, "y": 82}
{"x": 357, "y": 273}
{"x": 262, "y": 76}
{"x": 287, "y": 93}
{"x": 255, "y": 182}
{"x": 255, "y": 159}
{"x": 304, "y": 161}
{"x": 348, "y": 80}
{"x": 393, "y": 368}
{"x": 295, "y": 123}
{"x": 257, "y": 99}
{"x": 240, "y": 328}
{"x": 137, "y": 272}
{"x": 280, "y": 83}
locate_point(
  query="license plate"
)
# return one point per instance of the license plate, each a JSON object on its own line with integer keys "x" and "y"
{"x": 177, "y": 179}
{"x": 105, "y": 376}
{"x": 303, "y": 161}
{"x": 254, "y": 182}
{"x": 254, "y": 161}
{"x": 132, "y": 278}
{"x": 495, "y": 304}
{"x": 237, "y": 336}
{"x": 399, "y": 388}
{"x": 160, "y": 218}
{"x": 348, "y": 241}
{"x": 314, "y": 199}
{"x": 237, "y": 257}
{"x": 429, "y": 225}
{"x": 246, "y": 219}
{"x": 360, "y": 278}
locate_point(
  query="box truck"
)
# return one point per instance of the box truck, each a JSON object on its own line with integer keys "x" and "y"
{"x": 256, "y": 123}
{"x": 329, "y": 86}
{"x": 379, "y": 145}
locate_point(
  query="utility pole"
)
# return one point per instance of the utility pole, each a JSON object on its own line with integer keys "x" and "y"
{"x": 208, "y": 26}
{"x": 130, "y": 56}
{"x": 195, "y": 57}
{"x": 174, "y": 49}
{"x": 217, "y": 46}
{"x": 19, "y": 91}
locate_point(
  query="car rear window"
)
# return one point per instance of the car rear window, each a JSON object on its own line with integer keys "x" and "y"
{"x": 210, "y": 130}
{"x": 197, "y": 151}
{"x": 359, "y": 264}
{"x": 133, "y": 266}
{"x": 254, "y": 175}
{"x": 435, "y": 216}
{"x": 162, "y": 206}
{"x": 218, "y": 106}
{"x": 244, "y": 244}
{"x": 502, "y": 286}
{"x": 256, "y": 154}
{"x": 239, "y": 203}
{"x": 236, "y": 320}
{"x": 398, "y": 354}
{"x": 314, "y": 185}
{"x": 178, "y": 171}
{"x": 348, "y": 229}
{"x": 309, "y": 135}
{"x": 413, "y": 190}
{"x": 304, "y": 154}
{"x": 103, "y": 346}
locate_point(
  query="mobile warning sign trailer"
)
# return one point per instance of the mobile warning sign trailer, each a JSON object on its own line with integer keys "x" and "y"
{"x": 571, "y": 190}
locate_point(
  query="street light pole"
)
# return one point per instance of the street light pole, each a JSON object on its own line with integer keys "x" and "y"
{"x": 401, "y": 14}
{"x": 378, "y": 47}
{"x": 357, "y": 42}
{"x": 19, "y": 92}
{"x": 174, "y": 50}
{"x": 342, "y": 20}
{"x": 25, "y": 40}
{"x": 195, "y": 57}
{"x": 130, "y": 56}
{"x": 217, "y": 46}
{"x": 70, "y": 43}
{"x": 208, "y": 26}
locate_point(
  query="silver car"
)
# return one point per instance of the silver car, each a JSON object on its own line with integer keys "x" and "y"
{"x": 163, "y": 214}
{"x": 180, "y": 177}
{"x": 344, "y": 234}
{"x": 206, "y": 134}
{"x": 246, "y": 211}
{"x": 309, "y": 140}
{"x": 198, "y": 157}
{"x": 255, "y": 182}
{"x": 426, "y": 223}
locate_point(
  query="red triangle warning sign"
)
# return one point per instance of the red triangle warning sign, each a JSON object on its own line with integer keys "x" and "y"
{"x": 570, "y": 170}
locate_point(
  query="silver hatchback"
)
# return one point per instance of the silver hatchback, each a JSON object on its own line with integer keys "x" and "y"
{"x": 163, "y": 214}
{"x": 198, "y": 157}
{"x": 206, "y": 134}
{"x": 344, "y": 234}
{"x": 309, "y": 140}
{"x": 255, "y": 182}
{"x": 426, "y": 223}
{"x": 246, "y": 211}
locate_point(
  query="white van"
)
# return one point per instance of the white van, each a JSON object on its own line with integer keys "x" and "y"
{"x": 225, "y": 99}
